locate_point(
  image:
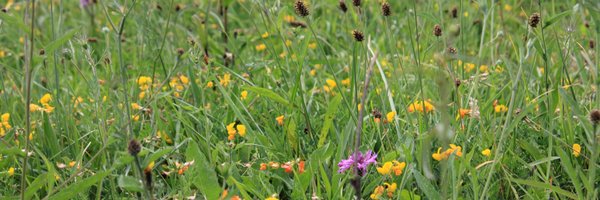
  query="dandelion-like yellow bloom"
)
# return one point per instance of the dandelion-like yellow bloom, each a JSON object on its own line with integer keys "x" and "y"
{"x": 144, "y": 82}
{"x": 486, "y": 152}
{"x": 11, "y": 171}
{"x": 261, "y": 47}
{"x": 346, "y": 82}
{"x": 390, "y": 116}
{"x": 209, "y": 84}
{"x": 576, "y": 150}
{"x": 244, "y": 95}
{"x": 265, "y": 35}
{"x": 280, "y": 120}
{"x": 312, "y": 45}
{"x": 225, "y": 80}
{"x": 500, "y": 109}
{"x": 421, "y": 106}
{"x": 272, "y": 198}
{"x": 331, "y": 83}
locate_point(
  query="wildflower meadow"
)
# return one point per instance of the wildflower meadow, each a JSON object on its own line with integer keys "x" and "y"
{"x": 299, "y": 99}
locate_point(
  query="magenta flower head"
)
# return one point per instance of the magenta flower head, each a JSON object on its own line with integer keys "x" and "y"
{"x": 362, "y": 161}
{"x": 84, "y": 3}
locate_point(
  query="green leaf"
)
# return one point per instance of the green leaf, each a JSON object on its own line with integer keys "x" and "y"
{"x": 129, "y": 183}
{"x": 546, "y": 186}
{"x": 160, "y": 153}
{"x": 426, "y": 186}
{"x": 329, "y": 115}
{"x": 35, "y": 185}
{"x": 292, "y": 137}
{"x": 555, "y": 18}
{"x": 79, "y": 187}
{"x": 270, "y": 94}
{"x": 49, "y": 48}
{"x": 13, "y": 21}
{"x": 202, "y": 174}
{"x": 543, "y": 160}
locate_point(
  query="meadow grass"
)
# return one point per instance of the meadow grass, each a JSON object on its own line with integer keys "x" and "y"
{"x": 299, "y": 99}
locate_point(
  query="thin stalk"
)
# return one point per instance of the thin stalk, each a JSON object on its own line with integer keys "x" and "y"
{"x": 28, "y": 45}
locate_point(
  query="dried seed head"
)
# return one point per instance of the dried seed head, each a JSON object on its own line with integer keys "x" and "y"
{"x": 356, "y": 3}
{"x": 298, "y": 24}
{"x": 177, "y": 8}
{"x": 457, "y": 82}
{"x": 534, "y": 20}
{"x": 180, "y": 51}
{"x": 595, "y": 117}
{"x": 592, "y": 44}
{"x": 42, "y": 52}
{"x": 343, "y": 6}
{"x": 437, "y": 30}
{"x": 376, "y": 114}
{"x": 385, "y": 9}
{"x": 452, "y": 50}
{"x": 454, "y": 12}
{"x": 134, "y": 147}
{"x": 92, "y": 40}
{"x": 358, "y": 36}
{"x": 301, "y": 8}
{"x": 586, "y": 24}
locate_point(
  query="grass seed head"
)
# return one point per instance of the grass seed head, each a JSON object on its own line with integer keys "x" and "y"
{"x": 534, "y": 20}
{"x": 301, "y": 8}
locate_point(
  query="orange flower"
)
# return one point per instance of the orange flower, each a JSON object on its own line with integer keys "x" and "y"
{"x": 263, "y": 166}
{"x": 301, "y": 167}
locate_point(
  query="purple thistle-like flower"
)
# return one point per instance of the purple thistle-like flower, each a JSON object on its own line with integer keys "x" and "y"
{"x": 362, "y": 161}
{"x": 84, "y": 3}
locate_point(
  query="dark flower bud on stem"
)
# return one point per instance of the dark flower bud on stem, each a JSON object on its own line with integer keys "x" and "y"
{"x": 595, "y": 117}
{"x": 180, "y": 51}
{"x": 356, "y": 3}
{"x": 437, "y": 30}
{"x": 343, "y": 6}
{"x": 358, "y": 36}
{"x": 385, "y": 9}
{"x": 301, "y": 8}
{"x": 534, "y": 20}
{"x": 454, "y": 12}
{"x": 134, "y": 147}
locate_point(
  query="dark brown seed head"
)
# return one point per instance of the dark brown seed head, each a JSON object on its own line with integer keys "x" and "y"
{"x": 586, "y": 24}
{"x": 343, "y": 6}
{"x": 534, "y": 20}
{"x": 595, "y": 117}
{"x": 180, "y": 51}
{"x": 452, "y": 50}
{"x": 158, "y": 7}
{"x": 4, "y": 10}
{"x": 134, "y": 147}
{"x": 592, "y": 44}
{"x": 437, "y": 30}
{"x": 92, "y": 40}
{"x": 301, "y": 8}
{"x": 356, "y": 3}
{"x": 42, "y": 52}
{"x": 454, "y": 12}
{"x": 298, "y": 24}
{"x": 376, "y": 114}
{"x": 457, "y": 82}
{"x": 358, "y": 36}
{"x": 385, "y": 9}
{"x": 177, "y": 8}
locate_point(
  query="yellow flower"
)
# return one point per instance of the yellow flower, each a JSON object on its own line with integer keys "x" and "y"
{"x": 391, "y": 188}
{"x": 438, "y": 156}
{"x": 209, "y": 84}
{"x": 136, "y": 106}
{"x": 225, "y": 80}
{"x": 385, "y": 169}
{"x": 184, "y": 79}
{"x": 483, "y": 68}
{"x": 346, "y": 82}
{"x": 244, "y": 95}
{"x": 313, "y": 72}
{"x": 421, "y": 106}
{"x": 135, "y": 118}
{"x": 265, "y": 35}
{"x": 500, "y": 109}
{"x": 261, "y": 47}
{"x": 457, "y": 150}
{"x": 241, "y": 129}
{"x": 576, "y": 150}
{"x": 140, "y": 96}
{"x": 390, "y": 116}
{"x": 486, "y": 152}
{"x": 46, "y": 99}
{"x": 469, "y": 67}
{"x": 150, "y": 166}
{"x": 280, "y": 120}
{"x": 11, "y": 171}
{"x": 312, "y": 45}
{"x": 331, "y": 83}
{"x": 289, "y": 18}
{"x": 271, "y": 198}
{"x": 35, "y": 108}
{"x": 398, "y": 167}
{"x": 288, "y": 43}
{"x": 377, "y": 192}
{"x": 507, "y": 7}
{"x": 2, "y": 53}
{"x": 72, "y": 164}
{"x": 462, "y": 113}
{"x": 144, "y": 82}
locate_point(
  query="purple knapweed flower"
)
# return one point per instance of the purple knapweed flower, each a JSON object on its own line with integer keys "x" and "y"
{"x": 84, "y": 3}
{"x": 362, "y": 161}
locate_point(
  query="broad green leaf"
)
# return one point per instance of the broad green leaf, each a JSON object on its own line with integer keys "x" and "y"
{"x": 328, "y": 121}
{"x": 555, "y": 18}
{"x": 202, "y": 174}
{"x": 427, "y": 188}
{"x": 80, "y": 187}
{"x": 271, "y": 95}
{"x": 292, "y": 136}
{"x": 546, "y": 186}
{"x": 37, "y": 184}
{"x": 160, "y": 153}
{"x": 129, "y": 183}
{"x": 60, "y": 41}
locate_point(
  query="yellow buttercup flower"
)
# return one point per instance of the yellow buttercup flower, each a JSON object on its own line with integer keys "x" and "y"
{"x": 500, "y": 109}
{"x": 390, "y": 116}
{"x": 11, "y": 171}
{"x": 265, "y": 35}
{"x": 486, "y": 152}
{"x": 244, "y": 95}
{"x": 312, "y": 45}
{"x": 576, "y": 150}
{"x": 261, "y": 47}
{"x": 331, "y": 83}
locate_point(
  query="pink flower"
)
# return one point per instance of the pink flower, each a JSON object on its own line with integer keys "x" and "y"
{"x": 362, "y": 161}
